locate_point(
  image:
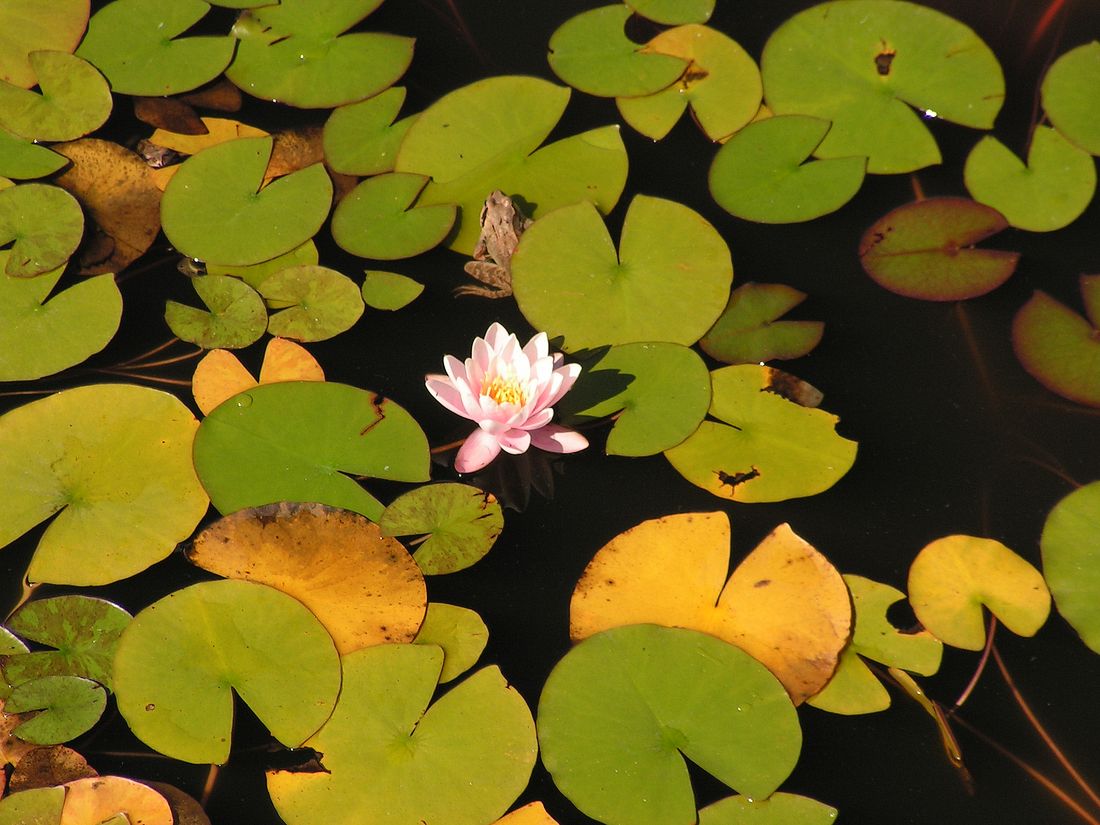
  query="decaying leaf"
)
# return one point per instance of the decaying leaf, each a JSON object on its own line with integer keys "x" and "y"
{"x": 221, "y": 375}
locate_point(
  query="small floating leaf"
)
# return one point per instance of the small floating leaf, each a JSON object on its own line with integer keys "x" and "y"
{"x": 68, "y": 706}
{"x": 73, "y": 100}
{"x": 389, "y": 290}
{"x": 30, "y": 25}
{"x": 459, "y": 631}
{"x": 46, "y": 224}
{"x": 377, "y": 219}
{"x": 1070, "y": 97}
{"x": 362, "y": 138}
{"x": 235, "y": 316}
{"x": 1071, "y": 560}
{"x": 312, "y": 303}
{"x": 747, "y": 331}
{"x": 221, "y": 375}
{"x": 778, "y": 809}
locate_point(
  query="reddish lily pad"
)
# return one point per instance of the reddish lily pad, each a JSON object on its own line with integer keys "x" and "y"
{"x": 377, "y": 218}
{"x": 235, "y": 316}
{"x": 747, "y": 331}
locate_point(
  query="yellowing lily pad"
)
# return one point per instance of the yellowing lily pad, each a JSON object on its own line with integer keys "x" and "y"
{"x": 377, "y": 218}
{"x": 22, "y": 159}
{"x": 218, "y": 130}
{"x": 1071, "y": 560}
{"x": 44, "y": 221}
{"x": 459, "y": 631}
{"x": 312, "y": 303}
{"x": 1070, "y": 96}
{"x": 28, "y": 25}
{"x": 778, "y": 809}
{"x": 748, "y": 332}
{"x": 73, "y": 99}
{"x": 180, "y": 659}
{"x": 953, "y": 577}
{"x": 67, "y": 707}
{"x": 362, "y": 138}
{"x": 221, "y": 375}
{"x": 389, "y": 290}
{"x": 235, "y": 316}
{"x": 365, "y": 588}
{"x": 104, "y": 799}
{"x": 533, "y": 813}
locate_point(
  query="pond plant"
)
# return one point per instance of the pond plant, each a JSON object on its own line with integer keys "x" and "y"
{"x": 658, "y": 540}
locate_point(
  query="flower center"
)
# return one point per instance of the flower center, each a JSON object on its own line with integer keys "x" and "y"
{"x": 505, "y": 390}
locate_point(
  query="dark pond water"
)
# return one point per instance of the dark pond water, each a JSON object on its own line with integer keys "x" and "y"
{"x": 954, "y": 436}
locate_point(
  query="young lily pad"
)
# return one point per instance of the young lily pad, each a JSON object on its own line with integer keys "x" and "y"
{"x": 377, "y": 218}
{"x": 73, "y": 99}
{"x": 592, "y": 53}
{"x": 182, "y": 656}
{"x": 459, "y": 631}
{"x": 747, "y": 331}
{"x": 674, "y": 12}
{"x": 68, "y": 706}
{"x": 777, "y": 809}
{"x": 866, "y": 64}
{"x": 388, "y": 756}
{"x": 214, "y": 209}
{"x": 134, "y": 43}
{"x": 925, "y": 250}
{"x": 40, "y": 337}
{"x": 28, "y": 25}
{"x": 362, "y": 138}
{"x": 1070, "y": 96}
{"x": 768, "y": 448}
{"x": 24, "y": 159}
{"x": 220, "y": 375}
{"x": 760, "y": 174}
{"x": 296, "y": 53}
{"x": 46, "y": 224}
{"x": 1071, "y": 560}
{"x": 621, "y": 711}
{"x": 113, "y": 462}
{"x": 461, "y": 524}
{"x": 389, "y": 290}
{"x": 235, "y": 316}
{"x": 295, "y": 441}
{"x": 255, "y": 274}
{"x": 313, "y": 303}
{"x": 722, "y": 86}
{"x": 952, "y": 577}
{"x": 1051, "y": 191}
{"x": 661, "y": 392}
{"x": 569, "y": 281}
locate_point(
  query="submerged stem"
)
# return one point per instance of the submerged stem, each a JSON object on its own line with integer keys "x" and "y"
{"x": 989, "y": 633}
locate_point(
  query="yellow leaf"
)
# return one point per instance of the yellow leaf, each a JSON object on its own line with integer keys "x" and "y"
{"x": 532, "y": 813}
{"x": 100, "y": 798}
{"x": 219, "y": 130}
{"x": 221, "y": 375}
{"x": 287, "y": 361}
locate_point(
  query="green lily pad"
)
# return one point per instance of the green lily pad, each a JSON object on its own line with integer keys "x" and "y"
{"x": 213, "y": 208}
{"x": 1051, "y": 191}
{"x": 388, "y": 756}
{"x": 40, "y": 337}
{"x": 255, "y": 274}
{"x": 10, "y": 644}
{"x": 722, "y": 86}
{"x": 759, "y": 174}
{"x": 866, "y": 64}
{"x": 313, "y": 302}
{"x": 182, "y": 656}
{"x": 1071, "y": 560}
{"x": 113, "y": 462}
{"x": 469, "y": 145}
{"x": 362, "y": 138}
{"x": 68, "y": 706}
{"x": 24, "y": 159}
{"x": 461, "y": 634}
{"x": 1070, "y": 96}
{"x": 237, "y": 316}
{"x": 568, "y": 280}
{"x": 661, "y": 392}
{"x": 84, "y": 632}
{"x": 295, "y": 441}
{"x": 592, "y": 53}
{"x": 674, "y": 12}
{"x": 461, "y": 524}
{"x": 377, "y": 218}
{"x": 45, "y": 222}
{"x": 747, "y": 331}
{"x": 389, "y": 290}
{"x": 768, "y": 448}
{"x": 925, "y": 250}
{"x": 38, "y": 806}
{"x": 73, "y": 100}
{"x": 777, "y": 809}
{"x": 134, "y": 43}
{"x": 29, "y": 25}
{"x": 621, "y": 711}
{"x": 295, "y": 52}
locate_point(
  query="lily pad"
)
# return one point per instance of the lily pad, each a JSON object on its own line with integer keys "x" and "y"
{"x": 214, "y": 209}
{"x": 1070, "y": 96}
{"x": 113, "y": 800}
{"x": 377, "y": 219}
{"x": 952, "y": 577}
{"x": 389, "y": 290}
{"x": 767, "y": 448}
{"x": 295, "y": 441}
{"x": 134, "y": 43}
{"x": 777, "y": 809}
{"x": 68, "y": 706}
{"x": 747, "y": 331}
{"x": 217, "y": 130}
{"x": 866, "y": 65}
{"x": 235, "y": 316}
{"x": 180, "y": 659}
{"x": 387, "y": 754}
{"x": 362, "y": 138}
{"x": 1071, "y": 560}
{"x": 73, "y": 99}
{"x": 461, "y": 634}
{"x": 312, "y": 303}
{"x": 22, "y": 159}
{"x": 304, "y": 254}
{"x": 220, "y": 374}
{"x": 113, "y": 462}
{"x": 621, "y": 711}
{"x": 674, "y": 12}
{"x": 29, "y": 25}
{"x": 37, "y": 806}
{"x": 925, "y": 249}
{"x": 458, "y": 524}
{"x": 1050, "y": 192}
{"x": 46, "y": 224}
{"x": 533, "y": 813}
{"x": 569, "y": 281}
{"x": 759, "y": 174}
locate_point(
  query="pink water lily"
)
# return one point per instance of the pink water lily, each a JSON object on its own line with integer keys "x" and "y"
{"x": 510, "y": 392}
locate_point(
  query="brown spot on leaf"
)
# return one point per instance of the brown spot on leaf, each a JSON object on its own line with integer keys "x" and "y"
{"x": 762, "y": 583}
{"x": 883, "y": 60}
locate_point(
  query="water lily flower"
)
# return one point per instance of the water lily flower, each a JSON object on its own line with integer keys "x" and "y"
{"x": 510, "y": 392}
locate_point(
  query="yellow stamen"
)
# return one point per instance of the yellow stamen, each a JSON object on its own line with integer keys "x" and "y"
{"x": 505, "y": 390}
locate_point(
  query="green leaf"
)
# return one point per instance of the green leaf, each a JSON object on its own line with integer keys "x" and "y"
{"x": 131, "y": 42}
{"x": 314, "y": 303}
{"x": 23, "y": 159}
{"x": 295, "y": 441}
{"x": 113, "y": 462}
{"x": 68, "y": 705}
{"x": 759, "y": 174}
{"x": 569, "y": 281}
{"x": 38, "y": 806}
{"x": 255, "y": 274}
{"x": 1071, "y": 560}
{"x": 461, "y": 524}
{"x": 10, "y": 644}
{"x": 461, "y": 634}
{"x": 30, "y": 25}
{"x": 377, "y": 219}
{"x": 863, "y": 64}
{"x": 181, "y": 656}
{"x": 215, "y": 210}
{"x": 46, "y": 224}
{"x": 1070, "y": 96}
{"x": 389, "y": 290}
{"x": 768, "y": 448}
{"x": 237, "y": 316}
{"x": 74, "y": 99}
{"x": 777, "y": 809}
{"x": 386, "y": 753}
{"x": 621, "y": 711}
{"x": 362, "y": 138}
{"x": 747, "y": 331}
{"x": 674, "y": 12}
